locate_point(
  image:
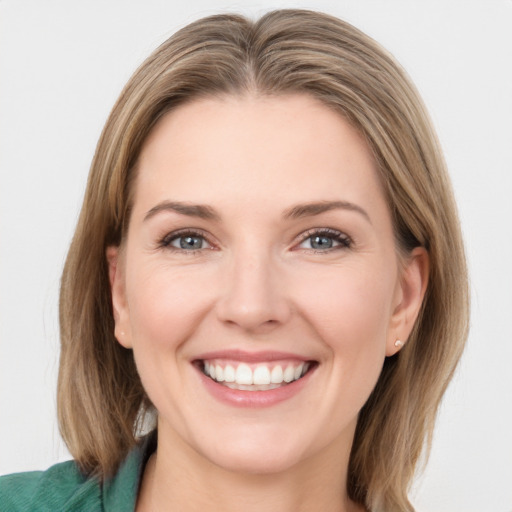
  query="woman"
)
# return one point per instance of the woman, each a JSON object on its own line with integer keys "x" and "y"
{"x": 268, "y": 269}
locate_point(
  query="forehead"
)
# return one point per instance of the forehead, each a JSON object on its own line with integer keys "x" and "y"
{"x": 264, "y": 150}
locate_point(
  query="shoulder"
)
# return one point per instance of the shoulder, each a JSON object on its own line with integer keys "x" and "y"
{"x": 61, "y": 487}
{"x": 64, "y": 488}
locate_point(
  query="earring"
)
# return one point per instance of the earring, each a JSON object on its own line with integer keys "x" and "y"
{"x": 399, "y": 344}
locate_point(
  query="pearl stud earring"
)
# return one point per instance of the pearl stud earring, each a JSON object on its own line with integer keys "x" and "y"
{"x": 399, "y": 344}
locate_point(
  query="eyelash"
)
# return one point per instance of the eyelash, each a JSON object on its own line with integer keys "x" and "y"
{"x": 167, "y": 240}
{"x": 344, "y": 241}
{"x": 341, "y": 238}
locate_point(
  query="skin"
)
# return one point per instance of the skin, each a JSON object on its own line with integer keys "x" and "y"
{"x": 257, "y": 284}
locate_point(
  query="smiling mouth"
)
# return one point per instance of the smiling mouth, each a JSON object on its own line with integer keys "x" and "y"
{"x": 254, "y": 377}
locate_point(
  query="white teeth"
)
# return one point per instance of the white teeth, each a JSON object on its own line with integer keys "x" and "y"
{"x": 243, "y": 374}
{"x": 276, "y": 377}
{"x": 289, "y": 373}
{"x": 252, "y": 387}
{"x": 261, "y": 375}
{"x": 261, "y": 378}
{"x": 229, "y": 374}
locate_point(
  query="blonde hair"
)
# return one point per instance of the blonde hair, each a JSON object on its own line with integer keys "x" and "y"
{"x": 100, "y": 397}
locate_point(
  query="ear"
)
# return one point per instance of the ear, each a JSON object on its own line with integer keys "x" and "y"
{"x": 116, "y": 276}
{"x": 411, "y": 290}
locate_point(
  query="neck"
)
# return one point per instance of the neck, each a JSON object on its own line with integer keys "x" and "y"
{"x": 178, "y": 478}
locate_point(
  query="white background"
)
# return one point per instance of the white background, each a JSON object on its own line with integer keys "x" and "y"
{"x": 63, "y": 64}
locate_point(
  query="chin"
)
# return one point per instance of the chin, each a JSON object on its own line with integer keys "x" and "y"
{"x": 255, "y": 461}
{"x": 262, "y": 452}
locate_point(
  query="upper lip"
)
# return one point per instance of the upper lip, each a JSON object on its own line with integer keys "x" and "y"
{"x": 251, "y": 357}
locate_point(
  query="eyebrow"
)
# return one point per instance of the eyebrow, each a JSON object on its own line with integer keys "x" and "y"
{"x": 206, "y": 212}
{"x": 192, "y": 210}
{"x": 311, "y": 209}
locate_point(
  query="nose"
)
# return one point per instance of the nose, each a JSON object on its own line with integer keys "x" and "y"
{"x": 253, "y": 294}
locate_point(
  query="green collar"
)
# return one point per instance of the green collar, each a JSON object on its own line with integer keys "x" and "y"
{"x": 120, "y": 492}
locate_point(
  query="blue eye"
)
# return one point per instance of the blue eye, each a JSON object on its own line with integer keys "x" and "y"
{"x": 185, "y": 241}
{"x": 325, "y": 240}
{"x": 321, "y": 242}
{"x": 188, "y": 242}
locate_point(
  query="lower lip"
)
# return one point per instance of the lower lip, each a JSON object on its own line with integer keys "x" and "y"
{"x": 243, "y": 398}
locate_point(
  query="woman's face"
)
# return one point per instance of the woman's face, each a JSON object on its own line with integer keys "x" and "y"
{"x": 260, "y": 251}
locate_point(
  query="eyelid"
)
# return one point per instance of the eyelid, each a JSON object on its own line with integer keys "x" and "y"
{"x": 344, "y": 240}
{"x": 165, "y": 241}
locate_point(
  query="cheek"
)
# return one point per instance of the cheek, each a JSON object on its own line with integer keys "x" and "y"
{"x": 351, "y": 298}
{"x": 350, "y": 308}
{"x": 350, "y": 312}
{"x": 165, "y": 304}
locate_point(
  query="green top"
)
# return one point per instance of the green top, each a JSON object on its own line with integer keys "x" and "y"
{"x": 64, "y": 488}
